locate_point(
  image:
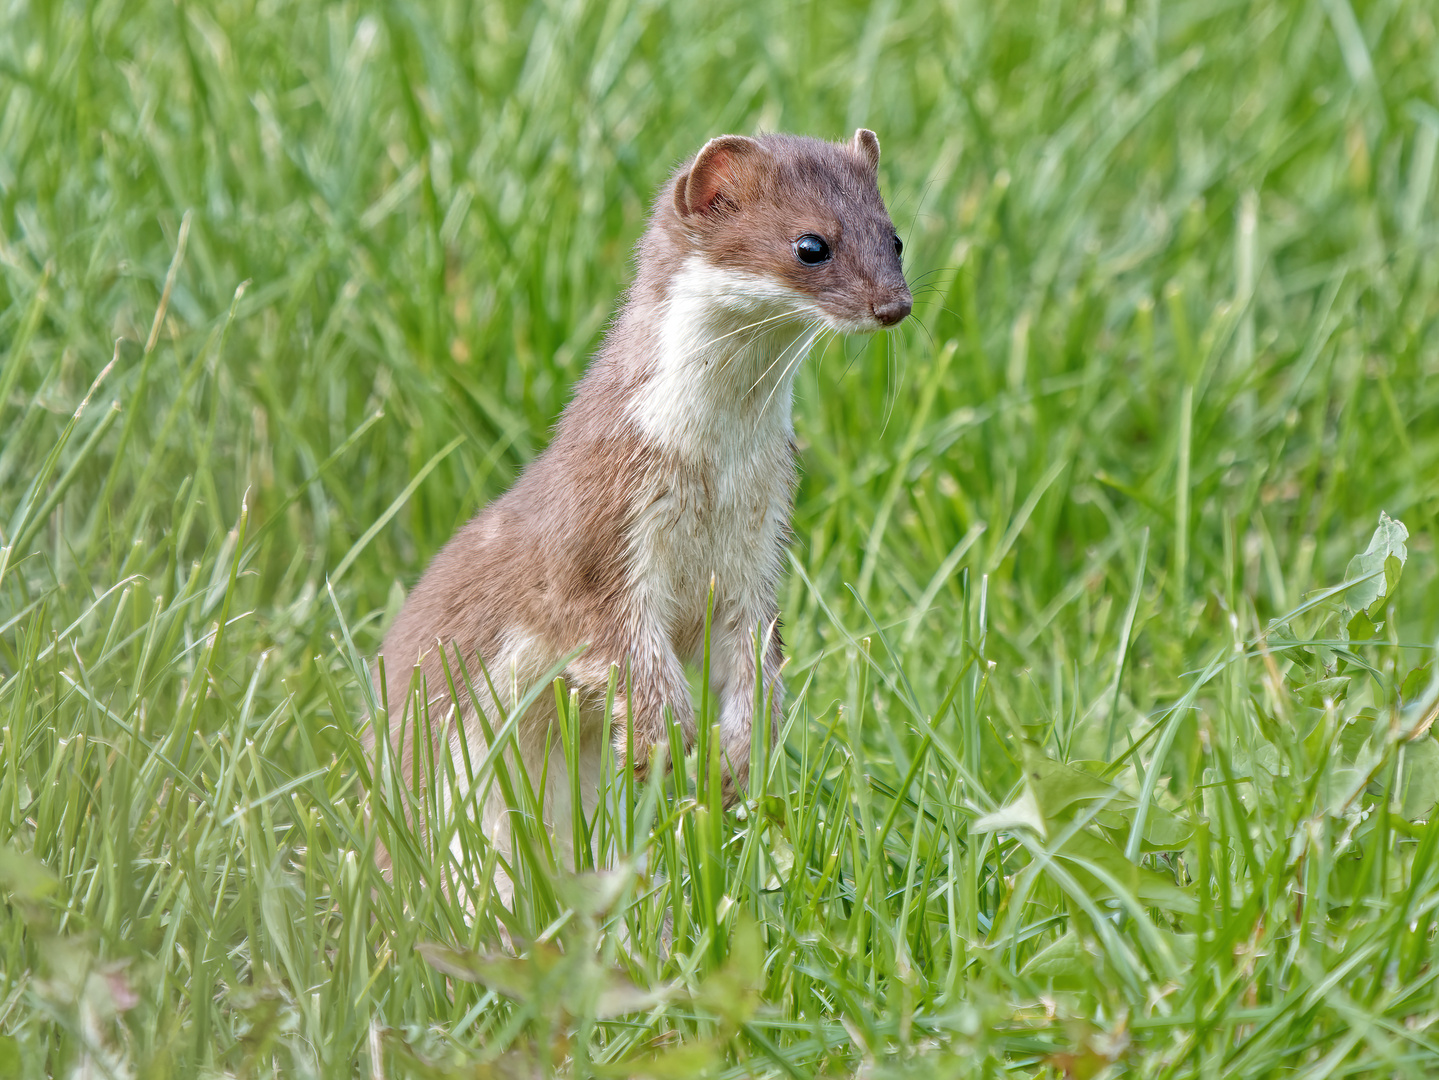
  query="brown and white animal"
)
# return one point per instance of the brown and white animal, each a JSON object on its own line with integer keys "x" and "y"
{"x": 673, "y": 464}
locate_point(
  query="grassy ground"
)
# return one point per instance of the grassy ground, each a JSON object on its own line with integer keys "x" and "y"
{"x": 1081, "y": 773}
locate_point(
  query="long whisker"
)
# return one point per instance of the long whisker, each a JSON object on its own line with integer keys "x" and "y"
{"x": 893, "y": 380}
{"x": 920, "y": 205}
{"x": 789, "y": 367}
{"x": 927, "y": 334}
{"x": 932, "y": 271}
{"x": 810, "y": 324}
{"x": 815, "y": 331}
{"x": 740, "y": 330}
{"x": 850, "y": 360}
{"x": 795, "y": 315}
{"x": 800, "y": 343}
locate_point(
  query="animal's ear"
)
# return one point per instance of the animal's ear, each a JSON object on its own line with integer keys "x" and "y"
{"x": 714, "y": 169}
{"x": 866, "y": 145}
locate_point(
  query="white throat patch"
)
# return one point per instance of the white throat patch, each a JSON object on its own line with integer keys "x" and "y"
{"x": 730, "y": 344}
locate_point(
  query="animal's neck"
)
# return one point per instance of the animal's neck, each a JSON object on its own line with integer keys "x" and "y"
{"x": 726, "y": 348}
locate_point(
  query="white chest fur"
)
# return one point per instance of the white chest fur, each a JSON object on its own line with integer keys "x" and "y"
{"x": 718, "y": 404}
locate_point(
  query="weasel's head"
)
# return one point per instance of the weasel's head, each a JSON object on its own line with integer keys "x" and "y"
{"x": 797, "y": 222}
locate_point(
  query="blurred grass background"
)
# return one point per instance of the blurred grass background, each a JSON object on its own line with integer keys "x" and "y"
{"x": 1176, "y": 347}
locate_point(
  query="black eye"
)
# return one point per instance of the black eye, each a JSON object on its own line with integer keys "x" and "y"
{"x": 811, "y": 250}
{"x": 899, "y": 247}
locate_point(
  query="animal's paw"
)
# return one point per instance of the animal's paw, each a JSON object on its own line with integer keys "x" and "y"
{"x": 733, "y": 788}
{"x": 640, "y": 767}
{"x": 646, "y": 760}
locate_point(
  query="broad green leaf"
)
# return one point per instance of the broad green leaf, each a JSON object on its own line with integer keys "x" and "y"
{"x": 1380, "y": 564}
{"x": 1420, "y": 785}
{"x": 25, "y": 877}
{"x": 1148, "y": 886}
{"x": 1164, "y": 830}
{"x": 1356, "y": 731}
{"x": 1065, "y": 790}
{"x": 1415, "y": 683}
{"x": 1062, "y": 963}
{"x": 1020, "y": 813}
{"x": 1315, "y": 694}
{"x": 1360, "y": 627}
{"x": 1058, "y": 786}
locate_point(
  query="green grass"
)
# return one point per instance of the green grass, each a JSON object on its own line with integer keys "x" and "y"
{"x": 1080, "y": 772}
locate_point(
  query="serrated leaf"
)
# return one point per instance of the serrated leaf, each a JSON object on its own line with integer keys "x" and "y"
{"x": 1058, "y": 786}
{"x": 1021, "y": 813}
{"x": 1379, "y": 574}
{"x": 1061, "y": 963}
{"x": 1315, "y": 694}
{"x": 1065, "y": 790}
{"x": 1149, "y": 887}
{"x": 1164, "y": 830}
{"x": 1360, "y": 628}
{"x": 1280, "y": 635}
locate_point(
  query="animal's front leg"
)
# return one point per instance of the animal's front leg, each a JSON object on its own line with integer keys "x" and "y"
{"x": 733, "y": 676}
{"x": 652, "y": 684}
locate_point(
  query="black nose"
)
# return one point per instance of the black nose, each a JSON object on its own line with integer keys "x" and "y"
{"x": 893, "y": 310}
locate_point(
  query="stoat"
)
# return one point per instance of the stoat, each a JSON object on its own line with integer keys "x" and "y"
{"x": 673, "y": 465}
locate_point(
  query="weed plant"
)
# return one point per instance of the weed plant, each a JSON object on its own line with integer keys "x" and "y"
{"x": 1112, "y": 601}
